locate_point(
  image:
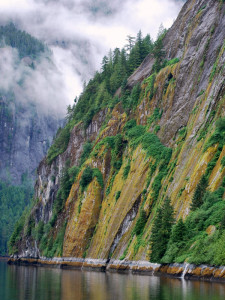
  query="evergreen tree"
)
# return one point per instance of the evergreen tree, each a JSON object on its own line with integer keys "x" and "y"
{"x": 99, "y": 93}
{"x": 147, "y": 46}
{"x": 116, "y": 56}
{"x": 157, "y": 249}
{"x": 158, "y": 51}
{"x": 105, "y": 64}
{"x": 13, "y": 200}
{"x": 178, "y": 232}
{"x": 161, "y": 231}
{"x": 197, "y": 200}
{"x": 159, "y": 54}
{"x": 222, "y": 224}
{"x": 25, "y": 43}
{"x": 130, "y": 43}
{"x": 176, "y": 242}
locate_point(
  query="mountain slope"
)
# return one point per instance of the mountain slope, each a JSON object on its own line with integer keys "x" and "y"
{"x": 100, "y": 196}
{"x": 26, "y": 128}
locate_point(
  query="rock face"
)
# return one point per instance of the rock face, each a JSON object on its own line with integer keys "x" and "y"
{"x": 189, "y": 96}
{"x": 25, "y": 136}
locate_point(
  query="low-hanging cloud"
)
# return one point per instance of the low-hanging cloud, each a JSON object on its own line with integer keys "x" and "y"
{"x": 79, "y": 33}
{"x": 38, "y": 82}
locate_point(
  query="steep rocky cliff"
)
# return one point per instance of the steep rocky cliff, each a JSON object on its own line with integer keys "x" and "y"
{"x": 25, "y": 136}
{"x": 139, "y": 156}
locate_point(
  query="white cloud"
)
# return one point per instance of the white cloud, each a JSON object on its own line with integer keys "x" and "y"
{"x": 44, "y": 85}
{"x": 80, "y": 33}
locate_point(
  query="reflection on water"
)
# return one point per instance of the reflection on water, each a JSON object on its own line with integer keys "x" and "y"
{"x": 31, "y": 283}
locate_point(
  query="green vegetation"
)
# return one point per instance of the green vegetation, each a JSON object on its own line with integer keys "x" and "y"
{"x": 13, "y": 200}
{"x": 223, "y": 161}
{"x": 86, "y": 152}
{"x": 218, "y": 137}
{"x": 86, "y": 178}
{"x": 149, "y": 141}
{"x": 150, "y": 87}
{"x": 98, "y": 174}
{"x": 172, "y": 61}
{"x": 126, "y": 250}
{"x": 205, "y": 53}
{"x": 189, "y": 240}
{"x": 126, "y": 170}
{"x": 140, "y": 224}
{"x": 116, "y": 68}
{"x": 60, "y": 143}
{"x": 204, "y": 130}
{"x": 53, "y": 247}
{"x": 156, "y": 129}
{"x": 16, "y": 235}
{"x": 157, "y": 114}
{"x": 130, "y": 100}
{"x": 200, "y": 190}
{"x": 67, "y": 179}
{"x": 88, "y": 175}
{"x": 138, "y": 135}
{"x": 158, "y": 52}
{"x": 25, "y": 43}
{"x": 117, "y": 195}
{"x": 183, "y": 133}
{"x": 99, "y": 93}
{"x": 116, "y": 146}
{"x": 161, "y": 231}
{"x": 73, "y": 172}
{"x": 43, "y": 233}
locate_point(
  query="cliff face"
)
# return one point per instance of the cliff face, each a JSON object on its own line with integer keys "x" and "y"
{"x": 25, "y": 136}
{"x": 180, "y": 104}
{"x": 27, "y": 125}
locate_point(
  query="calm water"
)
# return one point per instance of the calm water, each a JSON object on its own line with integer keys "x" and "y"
{"x": 31, "y": 283}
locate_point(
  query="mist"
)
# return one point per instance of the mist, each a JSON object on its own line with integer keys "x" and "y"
{"x": 79, "y": 33}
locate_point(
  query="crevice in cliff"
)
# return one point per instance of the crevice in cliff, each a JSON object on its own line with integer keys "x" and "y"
{"x": 125, "y": 225}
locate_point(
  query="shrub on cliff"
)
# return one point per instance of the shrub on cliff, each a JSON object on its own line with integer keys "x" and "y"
{"x": 140, "y": 224}
{"x": 87, "y": 147}
{"x": 218, "y": 136}
{"x": 86, "y": 177}
{"x": 60, "y": 143}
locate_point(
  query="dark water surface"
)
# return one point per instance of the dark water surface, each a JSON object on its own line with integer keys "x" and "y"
{"x": 39, "y": 283}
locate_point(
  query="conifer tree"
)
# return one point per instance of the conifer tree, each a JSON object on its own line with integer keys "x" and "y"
{"x": 161, "y": 231}
{"x": 156, "y": 241}
{"x": 197, "y": 200}
{"x": 178, "y": 232}
{"x": 130, "y": 43}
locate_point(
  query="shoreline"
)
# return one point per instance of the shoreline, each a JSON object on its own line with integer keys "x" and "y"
{"x": 182, "y": 271}
{"x": 4, "y": 258}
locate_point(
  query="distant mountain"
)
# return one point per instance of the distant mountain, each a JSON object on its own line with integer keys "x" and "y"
{"x": 20, "y": 40}
{"x": 26, "y": 128}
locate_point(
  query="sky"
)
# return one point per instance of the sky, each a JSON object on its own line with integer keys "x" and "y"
{"x": 79, "y": 33}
